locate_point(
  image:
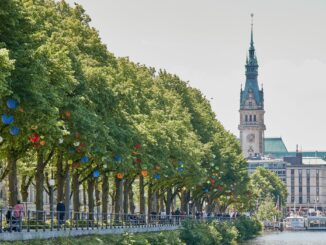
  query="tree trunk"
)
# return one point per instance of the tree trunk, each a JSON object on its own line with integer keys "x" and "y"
{"x": 67, "y": 191}
{"x": 149, "y": 202}
{"x": 162, "y": 209}
{"x": 60, "y": 177}
{"x": 118, "y": 198}
{"x": 12, "y": 177}
{"x": 39, "y": 181}
{"x": 105, "y": 196}
{"x": 97, "y": 197}
{"x": 141, "y": 195}
{"x": 84, "y": 197}
{"x": 90, "y": 193}
{"x": 25, "y": 183}
{"x": 132, "y": 206}
{"x": 126, "y": 197}
{"x": 154, "y": 205}
{"x": 168, "y": 201}
{"x": 75, "y": 191}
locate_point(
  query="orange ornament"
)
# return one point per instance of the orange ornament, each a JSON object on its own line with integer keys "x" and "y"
{"x": 68, "y": 114}
{"x": 144, "y": 173}
{"x": 42, "y": 142}
{"x": 120, "y": 175}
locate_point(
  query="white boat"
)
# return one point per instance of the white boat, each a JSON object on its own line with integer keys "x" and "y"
{"x": 295, "y": 223}
{"x": 316, "y": 223}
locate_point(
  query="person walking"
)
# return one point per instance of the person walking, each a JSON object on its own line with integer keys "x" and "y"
{"x": 61, "y": 212}
{"x": 18, "y": 214}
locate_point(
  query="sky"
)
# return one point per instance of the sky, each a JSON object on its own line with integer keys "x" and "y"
{"x": 205, "y": 42}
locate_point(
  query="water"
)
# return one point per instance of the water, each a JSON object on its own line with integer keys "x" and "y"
{"x": 290, "y": 238}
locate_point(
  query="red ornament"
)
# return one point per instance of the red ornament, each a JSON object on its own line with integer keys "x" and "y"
{"x": 34, "y": 138}
{"x": 137, "y": 146}
{"x": 137, "y": 160}
{"x": 213, "y": 181}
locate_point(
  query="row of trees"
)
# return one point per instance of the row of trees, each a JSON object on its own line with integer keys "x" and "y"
{"x": 73, "y": 110}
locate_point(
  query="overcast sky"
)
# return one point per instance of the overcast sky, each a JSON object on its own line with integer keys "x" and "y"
{"x": 205, "y": 42}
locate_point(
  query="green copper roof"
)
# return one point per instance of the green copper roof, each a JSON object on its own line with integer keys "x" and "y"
{"x": 274, "y": 145}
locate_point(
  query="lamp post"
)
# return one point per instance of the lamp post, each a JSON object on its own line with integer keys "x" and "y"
{"x": 51, "y": 183}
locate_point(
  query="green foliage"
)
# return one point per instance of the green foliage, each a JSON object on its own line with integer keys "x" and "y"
{"x": 194, "y": 232}
{"x": 267, "y": 211}
{"x": 248, "y": 228}
{"x": 228, "y": 231}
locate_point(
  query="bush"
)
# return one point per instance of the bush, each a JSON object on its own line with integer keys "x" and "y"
{"x": 194, "y": 233}
{"x": 248, "y": 228}
{"x": 228, "y": 231}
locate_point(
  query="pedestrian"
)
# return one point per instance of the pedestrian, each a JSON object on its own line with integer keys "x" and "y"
{"x": 61, "y": 212}
{"x": 18, "y": 214}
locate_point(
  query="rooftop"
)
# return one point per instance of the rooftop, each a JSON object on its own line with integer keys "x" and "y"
{"x": 274, "y": 145}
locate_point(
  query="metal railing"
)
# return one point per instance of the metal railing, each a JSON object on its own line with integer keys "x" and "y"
{"x": 37, "y": 221}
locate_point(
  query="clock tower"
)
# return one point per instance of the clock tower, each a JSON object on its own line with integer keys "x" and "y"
{"x": 252, "y": 111}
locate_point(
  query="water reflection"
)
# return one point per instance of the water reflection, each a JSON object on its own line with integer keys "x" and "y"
{"x": 290, "y": 238}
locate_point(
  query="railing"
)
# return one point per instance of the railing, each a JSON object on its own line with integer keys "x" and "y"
{"x": 48, "y": 221}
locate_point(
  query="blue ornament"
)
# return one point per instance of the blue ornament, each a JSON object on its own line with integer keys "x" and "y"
{"x": 14, "y": 130}
{"x": 157, "y": 176}
{"x": 180, "y": 169}
{"x": 96, "y": 173}
{"x": 180, "y": 163}
{"x": 7, "y": 119}
{"x": 71, "y": 150}
{"x": 117, "y": 158}
{"x": 12, "y": 104}
{"x": 84, "y": 159}
{"x": 206, "y": 190}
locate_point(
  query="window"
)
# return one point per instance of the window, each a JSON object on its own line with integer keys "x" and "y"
{"x": 250, "y": 104}
{"x": 300, "y": 185}
{"x": 250, "y": 118}
{"x": 308, "y": 185}
{"x": 292, "y": 185}
{"x": 254, "y": 118}
{"x": 317, "y": 184}
{"x": 246, "y": 118}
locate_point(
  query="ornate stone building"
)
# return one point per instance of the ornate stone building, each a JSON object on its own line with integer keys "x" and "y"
{"x": 252, "y": 111}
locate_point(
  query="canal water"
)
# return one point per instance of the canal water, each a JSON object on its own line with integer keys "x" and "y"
{"x": 290, "y": 238}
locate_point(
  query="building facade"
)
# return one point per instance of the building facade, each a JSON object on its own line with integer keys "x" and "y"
{"x": 252, "y": 111}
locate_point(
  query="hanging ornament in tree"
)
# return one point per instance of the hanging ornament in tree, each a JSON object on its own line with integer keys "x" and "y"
{"x": 70, "y": 162}
{"x": 180, "y": 169}
{"x": 77, "y": 135}
{"x": 157, "y": 176}
{"x": 71, "y": 150}
{"x": 144, "y": 173}
{"x": 137, "y": 146}
{"x": 67, "y": 114}
{"x": 14, "y": 130}
{"x": 96, "y": 173}
{"x": 120, "y": 175}
{"x": 21, "y": 109}
{"x": 7, "y": 119}
{"x": 213, "y": 181}
{"x": 137, "y": 160}
{"x": 76, "y": 143}
{"x": 60, "y": 141}
{"x": 84, "y": 159}
{"x": 42, "y": 142}
{"x": 1, "y": 139}
{"x": 180, "y": 163}
{"x": 34, "y": 138}
{"x": 205, "y": 189}
{"x": 12, "y": 104}
{"x": 157, "y": 167}
{"x": 105, "y": 166}
{"x": 117, "y": 158}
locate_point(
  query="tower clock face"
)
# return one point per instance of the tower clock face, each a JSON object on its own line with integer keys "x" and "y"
{"x": 251, "y": 138}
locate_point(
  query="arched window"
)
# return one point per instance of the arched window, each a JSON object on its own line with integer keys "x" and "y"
{"x": 254, "y": 118}
{"x": 246, "y": 118}
{"x": 250, "y": 118}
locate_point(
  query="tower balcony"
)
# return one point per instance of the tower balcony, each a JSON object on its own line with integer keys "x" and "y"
{"x": 255, "y": 125}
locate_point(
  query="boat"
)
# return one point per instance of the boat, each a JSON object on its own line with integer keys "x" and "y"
{"x": 295, "y": 223}
{"x": 316, "y": 223}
